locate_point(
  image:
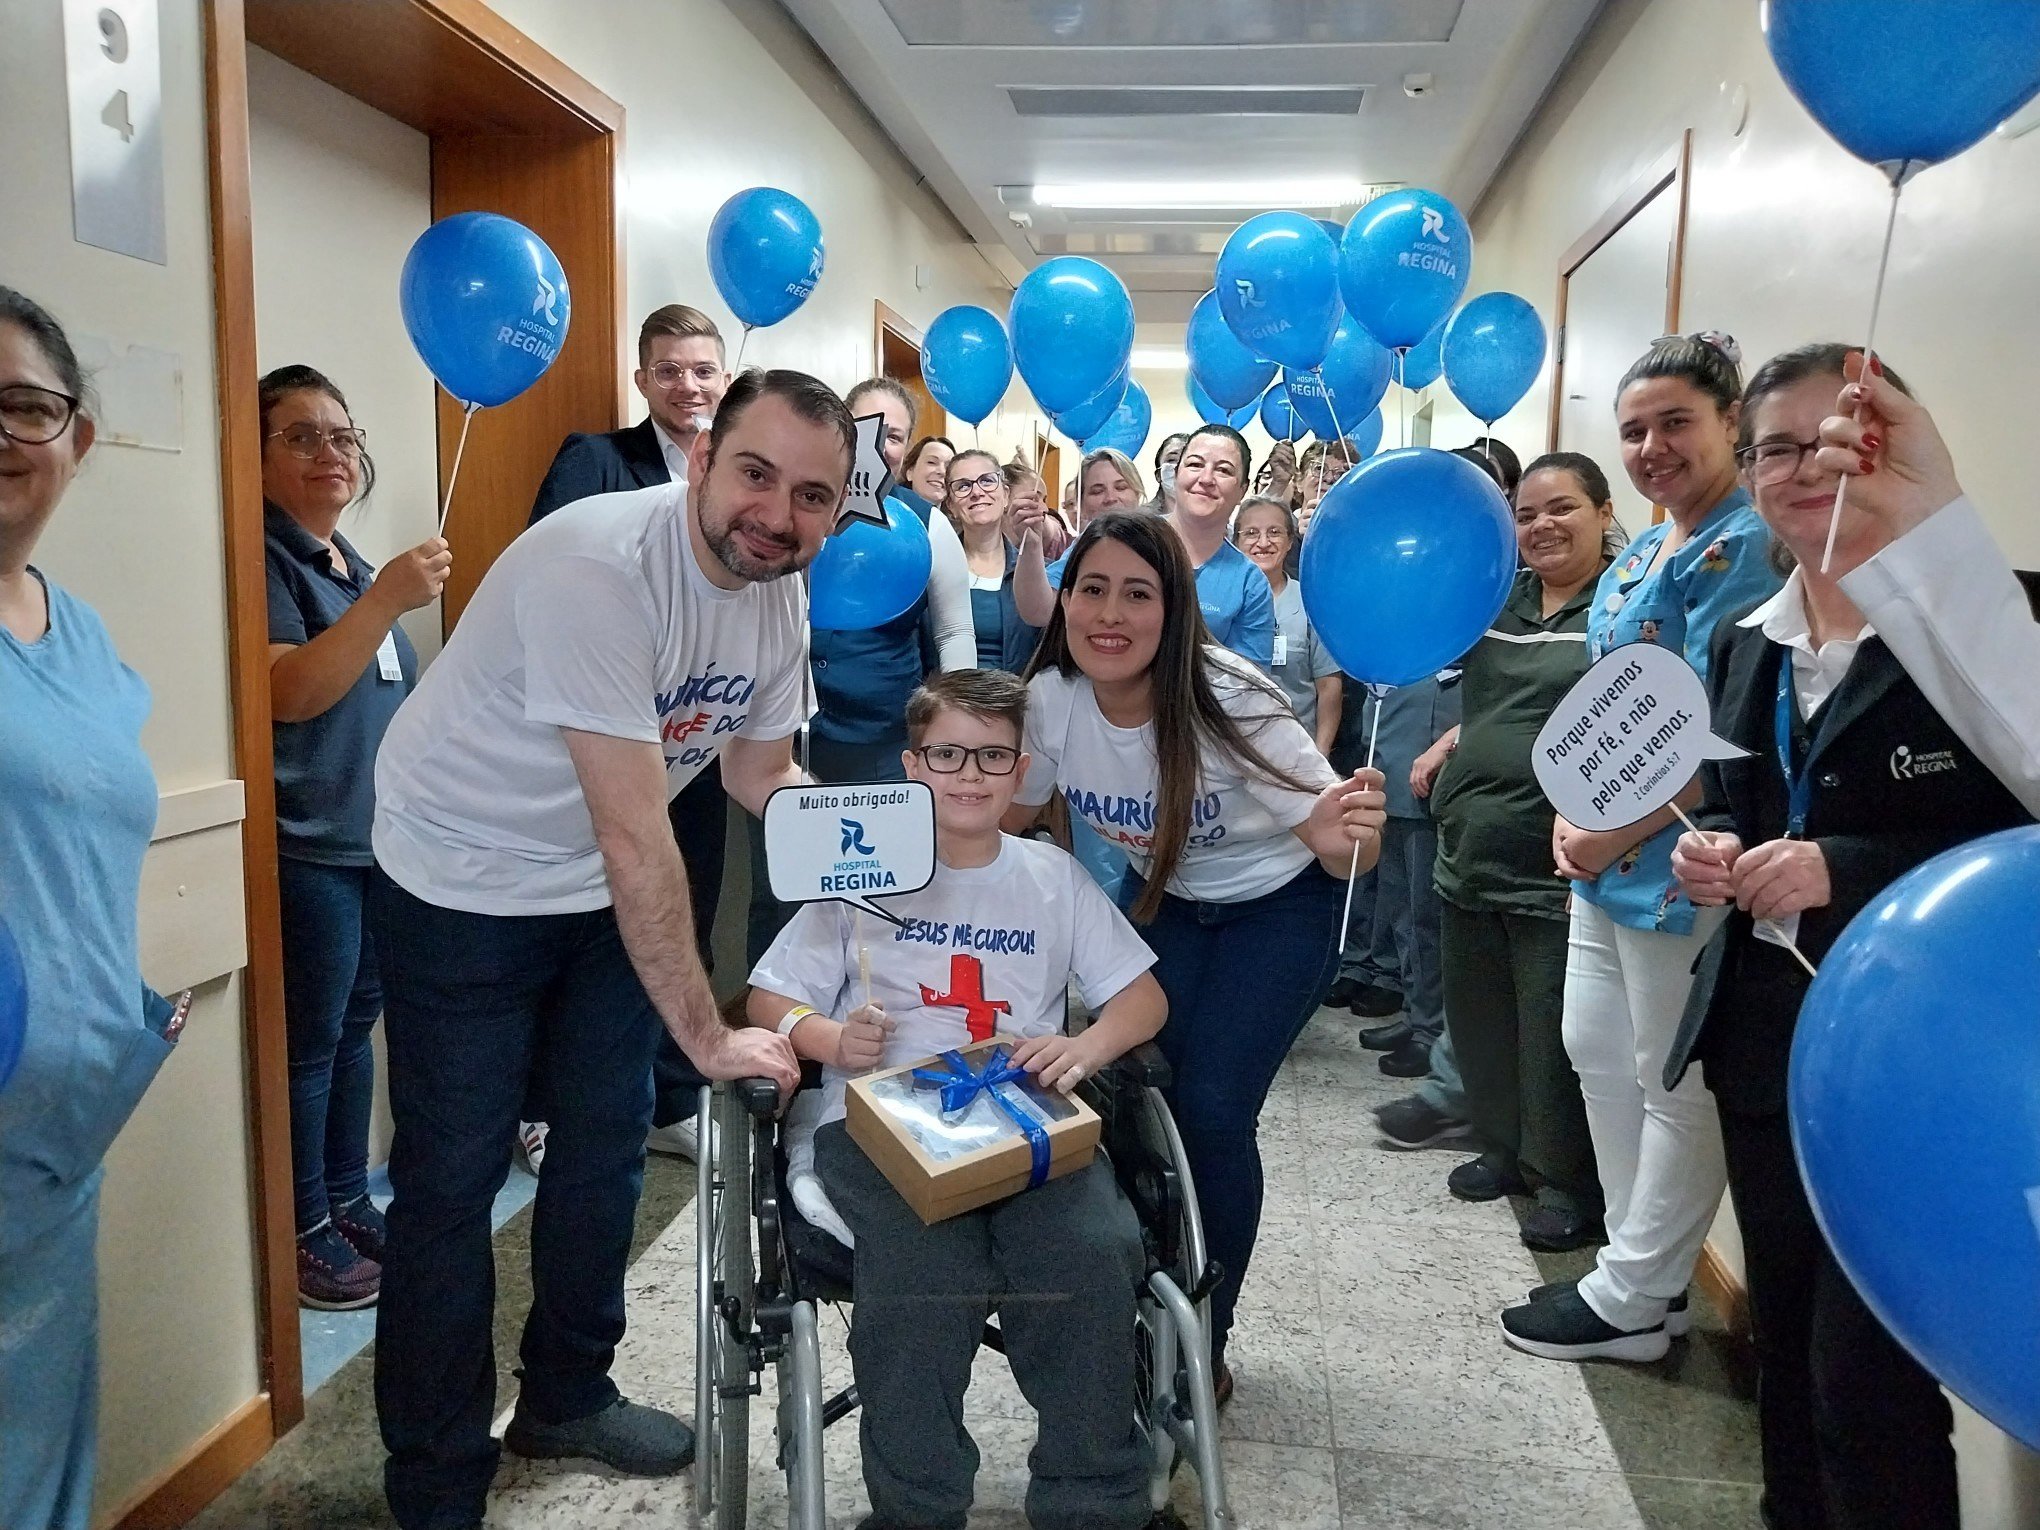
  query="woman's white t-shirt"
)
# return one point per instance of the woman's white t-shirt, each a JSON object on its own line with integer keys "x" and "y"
{"x": 1240, "y": 844}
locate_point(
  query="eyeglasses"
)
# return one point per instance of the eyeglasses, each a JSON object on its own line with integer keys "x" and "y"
{"x": 1770, "y": 462}
{"x": 34, "y": 416}
{"x": 984, "y": 481}
{"x": 670, "y": 374}
{"x": 948, "y": 759}
{"x": 307, "y": 441}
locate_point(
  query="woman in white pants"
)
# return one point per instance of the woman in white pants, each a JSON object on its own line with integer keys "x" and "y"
{"x": 1634, "y": 938}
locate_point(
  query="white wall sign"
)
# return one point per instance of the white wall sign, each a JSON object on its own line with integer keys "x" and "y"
{"x": 1627, "y": 738}
{"x": 113, "y": 78}
{"x": 850, "y": 843}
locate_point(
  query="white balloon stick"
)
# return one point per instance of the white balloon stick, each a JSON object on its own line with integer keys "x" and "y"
{"x": 1827, "y": 556}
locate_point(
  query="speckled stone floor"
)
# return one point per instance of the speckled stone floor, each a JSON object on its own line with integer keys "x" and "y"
{"x": 1373, "y": 1390}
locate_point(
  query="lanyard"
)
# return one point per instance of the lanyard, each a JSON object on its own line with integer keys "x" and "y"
{"x": 1798, "y": 783}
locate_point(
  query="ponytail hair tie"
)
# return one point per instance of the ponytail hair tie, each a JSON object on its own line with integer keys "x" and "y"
{"x": 1724, "y": 343}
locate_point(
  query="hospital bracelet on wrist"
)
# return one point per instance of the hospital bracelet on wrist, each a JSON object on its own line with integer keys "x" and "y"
{"x": 794, "y": 1016}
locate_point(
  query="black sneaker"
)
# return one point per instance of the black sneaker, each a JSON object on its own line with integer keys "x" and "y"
{"x": 1343, "y": 991}
{"x": 362, "y": 1225}
{"x": 1373, "y": 1002}
{"x": 1678, "y": 1314}
{"x": 1559, "y": 1229}
{"x": 1411, "y": 1122}
{"x": 1385, "y": 1038}
{"x": 332, "y": 1276}
{"x": 1486, "y": 1178}
{"x": 1564, "y": 1327}
{"x": 626, "y": 1436}
{"x": 1410, "y": 1060}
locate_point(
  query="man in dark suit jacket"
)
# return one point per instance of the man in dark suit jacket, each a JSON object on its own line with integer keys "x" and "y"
{"x": 682, "y": 375}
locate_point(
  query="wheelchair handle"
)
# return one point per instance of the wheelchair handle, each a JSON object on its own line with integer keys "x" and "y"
{"x": 760, "y": 1096}
{"x": 1144, "y": 1065}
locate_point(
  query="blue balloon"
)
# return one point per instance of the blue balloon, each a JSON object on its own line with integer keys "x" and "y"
{"x": 1209, "y": 412}
{"x": 1405, "y": 261}
{"x": 1408, "y": 561}
{"x": 1089, "y": 417}
{"x": 1278, "y": 415}
{"x": 1072, "y": 325}
{"x": 13, "y": 1003}
{"x": 1243, "y": 416}
{"x": 1127, "y": 430}
{"x": 1423, "y": 362}
{"x": 486, "y": 306}
{"x": 1346, "y": 385}
{"x": 866, "y": 575}
{"x": 764, "y": 254}
{"x": 1494, "y": 349}
{"x": 1901, "y": 84}
{"x": 967, "y": 362}
{"x": 1228, "y": 371}
{"x": 1366, "y": 436}
{"x": 1923, "y": 1163}
{"x": 1278, "y": 288}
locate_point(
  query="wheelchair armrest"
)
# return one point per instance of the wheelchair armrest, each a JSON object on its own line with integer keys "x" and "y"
{"x": 1144, "y": 1065}
{"x": 760, "y": 1096}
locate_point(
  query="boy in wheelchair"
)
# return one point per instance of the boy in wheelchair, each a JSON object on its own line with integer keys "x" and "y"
{"x": 988, "y": 946}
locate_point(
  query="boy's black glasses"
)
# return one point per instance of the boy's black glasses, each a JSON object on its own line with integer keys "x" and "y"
{"x": 948, "y": 759}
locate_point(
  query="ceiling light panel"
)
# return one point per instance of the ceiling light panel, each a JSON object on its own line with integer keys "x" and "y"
{"x": 1170, "y": 23}
{"x": 1187, "y": 101}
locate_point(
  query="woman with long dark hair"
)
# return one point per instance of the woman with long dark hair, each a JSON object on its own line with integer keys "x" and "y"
{"x": 1241, "y": 836}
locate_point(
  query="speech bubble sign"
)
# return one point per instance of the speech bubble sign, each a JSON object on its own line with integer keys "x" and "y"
{"x": 1627, "y": 738}
{"x": 850, "y": 843}
{"x": 870, "y": 479}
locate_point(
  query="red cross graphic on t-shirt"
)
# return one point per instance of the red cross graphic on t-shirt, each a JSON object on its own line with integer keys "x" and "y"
{"x": 967, "y": 993}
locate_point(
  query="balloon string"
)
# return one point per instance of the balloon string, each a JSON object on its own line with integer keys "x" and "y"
{"x": 1402, "y": 423}
{"x": 1827, "y": 556}
{"x": 738, "y": 364}
{"x": 1353, "y": 870}
{"x": 807, "y": 680}
{"x": 1691, "y": 828}
{"x": 467, "y": 418}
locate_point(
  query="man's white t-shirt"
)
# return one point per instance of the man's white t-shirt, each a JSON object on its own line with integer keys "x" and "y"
{"x": 984, "y": 950}
{"x": 601, "y": 621}
{"x": 1240, "y": 844}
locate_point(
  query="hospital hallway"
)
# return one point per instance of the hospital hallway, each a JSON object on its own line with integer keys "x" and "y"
{"x": 1373, "y": 1389}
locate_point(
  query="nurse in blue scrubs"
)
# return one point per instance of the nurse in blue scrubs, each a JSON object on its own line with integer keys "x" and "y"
{"x": 77, "y": 806}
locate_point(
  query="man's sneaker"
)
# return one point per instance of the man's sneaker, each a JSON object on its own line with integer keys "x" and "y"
{"x": 1373, "y": 1002}
{"x": 1564, "y": 1327}
{"x": 531, "y": 1145}
{"x": 625, "y": 1436}
{"x": 331, "y": 1275}
{"x": 1385, "y": 1038}
{"x": 1410, "y": 1060}
{"x": 1678, "y": 1315}
{"x": 362, "y": 1225}
{"x": 682, "y": 1139}
{"x": 1486, "y": 1178}
{"x": 1342, "y": 994}
{"x": 1411, "y": 1122}
{"x": 1560, "y": 1229}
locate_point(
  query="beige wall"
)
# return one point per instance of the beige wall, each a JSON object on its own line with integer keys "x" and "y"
{"x": 1781, "y": 248}
{"x": 139, "y": 538}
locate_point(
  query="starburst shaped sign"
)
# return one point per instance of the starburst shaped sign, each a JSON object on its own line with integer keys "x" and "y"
{"x": 870, "y": 479}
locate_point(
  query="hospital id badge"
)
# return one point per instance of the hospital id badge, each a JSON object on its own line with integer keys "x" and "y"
{"x": 1281, "y": 649}
{"x": 387, "y": 664}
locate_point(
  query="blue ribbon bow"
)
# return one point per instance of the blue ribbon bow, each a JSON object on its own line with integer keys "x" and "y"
{"x": 961, "y": 1084}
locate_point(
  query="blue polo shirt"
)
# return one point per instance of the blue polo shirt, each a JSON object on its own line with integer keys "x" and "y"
{"x": 325, "y": 766}
{"x": 1238, "y": 606}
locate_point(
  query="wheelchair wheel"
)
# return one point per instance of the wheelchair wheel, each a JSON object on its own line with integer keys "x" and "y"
{"x": 725, "y": 1279}
{"x": 800, "y": 1422}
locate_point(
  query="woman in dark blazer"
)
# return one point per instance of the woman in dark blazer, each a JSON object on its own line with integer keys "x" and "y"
{"x": 1851, "y": 780}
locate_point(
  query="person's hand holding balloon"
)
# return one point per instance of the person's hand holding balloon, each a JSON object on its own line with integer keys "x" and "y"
{"x": 413, "y": 579}
{"x": 1704, "y": 864}
{"x": 1900, "y": 467}
{"x": 1348, "y": 813}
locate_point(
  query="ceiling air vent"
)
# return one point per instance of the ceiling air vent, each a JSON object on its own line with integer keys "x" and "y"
{"x": 1188, "y": 101}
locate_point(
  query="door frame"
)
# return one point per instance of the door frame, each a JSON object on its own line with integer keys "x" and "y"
{"x": 460, "y": 73}
{"x": 931, "y": 419}
{"x": 1672, "y": 171}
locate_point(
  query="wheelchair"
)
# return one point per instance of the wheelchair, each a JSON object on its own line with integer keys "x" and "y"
{"x": 761, "y": 1271}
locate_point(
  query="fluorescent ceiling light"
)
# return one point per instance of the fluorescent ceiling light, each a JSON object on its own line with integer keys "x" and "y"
{"x": 1220, "y": 195}
{"x": 1159, "y": 358}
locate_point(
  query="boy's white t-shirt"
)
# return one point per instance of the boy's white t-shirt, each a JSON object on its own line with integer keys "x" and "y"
{"x": 599, "y": 618}
{"x": 984, "y": 950}
{"x": 1240, "y": 844}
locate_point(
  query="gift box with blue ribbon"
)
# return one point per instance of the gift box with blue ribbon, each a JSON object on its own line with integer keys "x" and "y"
{"x": 962, "y": 1129}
